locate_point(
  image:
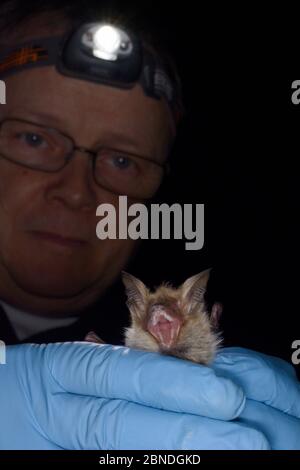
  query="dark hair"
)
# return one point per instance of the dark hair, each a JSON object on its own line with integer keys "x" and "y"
{"x": 142, "y": 20}
{"x": 15, "y": 12}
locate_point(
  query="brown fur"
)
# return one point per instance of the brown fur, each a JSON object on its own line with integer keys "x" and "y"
{"x": 197, "y": 340}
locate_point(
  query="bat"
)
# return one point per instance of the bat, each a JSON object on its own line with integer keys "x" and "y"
{"x": 173, "y": 321}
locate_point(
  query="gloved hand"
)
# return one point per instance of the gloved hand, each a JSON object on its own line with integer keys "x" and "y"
{"x": 87, "y": 396}
{"x": 273, "y": 394}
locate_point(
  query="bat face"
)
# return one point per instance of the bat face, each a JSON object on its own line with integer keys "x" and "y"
{"x": 172, "y": 321}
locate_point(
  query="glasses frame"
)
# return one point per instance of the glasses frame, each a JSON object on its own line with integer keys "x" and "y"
{"x": 93, "y": 153}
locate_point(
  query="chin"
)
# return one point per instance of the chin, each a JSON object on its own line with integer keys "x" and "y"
{"x": 52, "y": 277}
{"x": 46, "y": 271}
{"x": 52, "y": 286}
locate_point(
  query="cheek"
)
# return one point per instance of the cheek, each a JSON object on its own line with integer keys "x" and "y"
{"x": 18, "y": 192}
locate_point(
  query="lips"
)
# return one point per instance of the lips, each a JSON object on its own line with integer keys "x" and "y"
{"x": 60, "y": 239}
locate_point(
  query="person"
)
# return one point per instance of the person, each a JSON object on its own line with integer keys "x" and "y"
{"x": 78, "y": 131}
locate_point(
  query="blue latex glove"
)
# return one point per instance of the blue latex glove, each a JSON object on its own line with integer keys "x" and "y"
{"x": 86, "y": 396}
{"x": 273, "y": 392}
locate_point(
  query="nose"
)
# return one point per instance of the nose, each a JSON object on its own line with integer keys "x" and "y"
{"x": 74, "y": 185}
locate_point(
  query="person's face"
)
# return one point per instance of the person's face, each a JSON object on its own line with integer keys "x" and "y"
{"x": 50, "y": 274}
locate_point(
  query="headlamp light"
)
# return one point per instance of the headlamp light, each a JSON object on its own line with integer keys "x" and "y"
{"x": 102, "y": 53}
{"x": 107, "y": 42}
{"x": 98, "y": 52}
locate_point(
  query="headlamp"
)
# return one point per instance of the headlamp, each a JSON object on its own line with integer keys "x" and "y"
{"x": 102, "y": 53}
{"x": 98, "y": 52}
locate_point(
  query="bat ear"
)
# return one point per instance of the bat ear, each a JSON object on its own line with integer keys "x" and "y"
{"x": 193, "y": 289}
{"x": 136, "y": 291}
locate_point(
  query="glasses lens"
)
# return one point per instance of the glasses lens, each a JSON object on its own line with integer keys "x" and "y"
{"x": 127, "y": 174}
{"x": 34, "y": 146}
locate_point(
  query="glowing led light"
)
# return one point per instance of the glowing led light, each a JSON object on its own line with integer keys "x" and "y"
{"x": 107, "y": 42}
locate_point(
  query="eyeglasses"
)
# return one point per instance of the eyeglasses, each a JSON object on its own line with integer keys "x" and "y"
{"x": 48, "y": 150}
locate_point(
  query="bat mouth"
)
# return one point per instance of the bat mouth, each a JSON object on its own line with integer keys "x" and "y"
{"x": 164, "y": 325}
